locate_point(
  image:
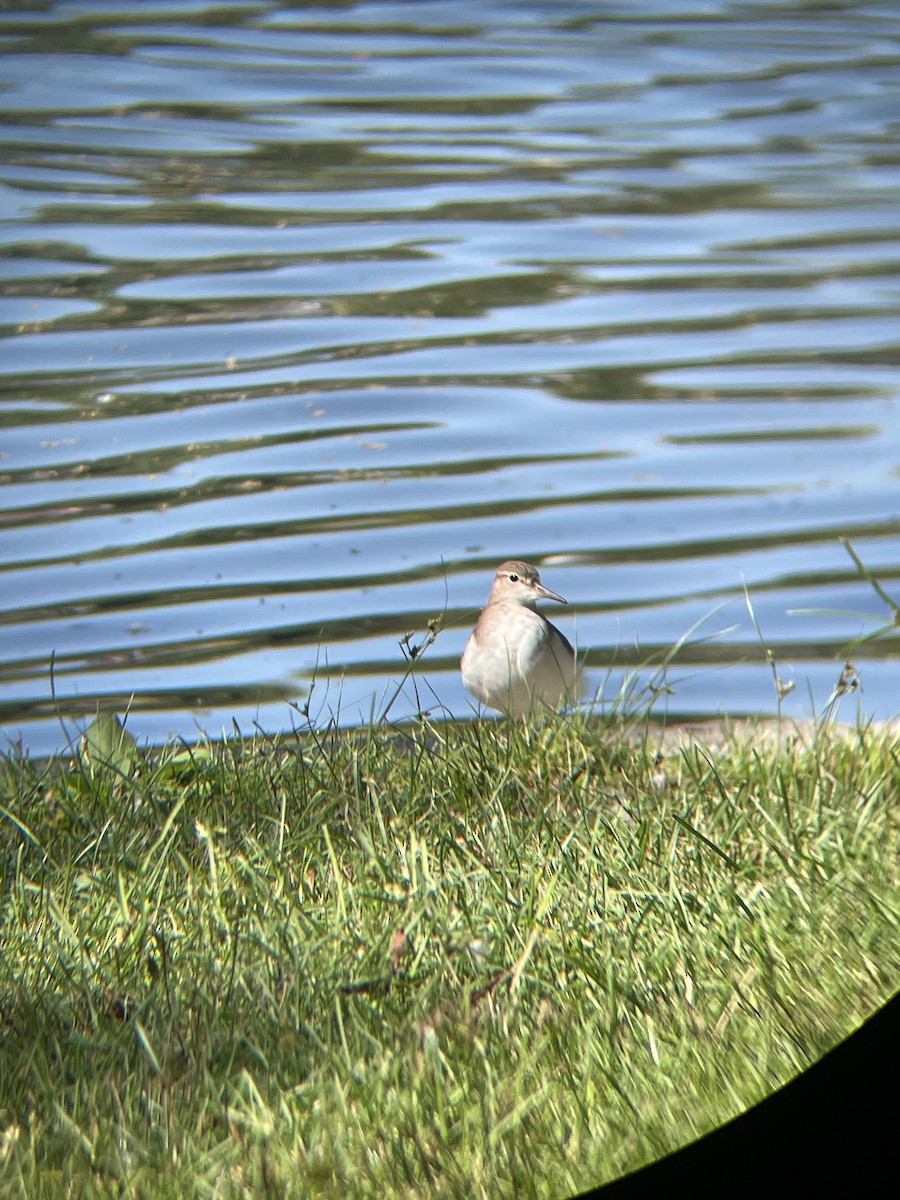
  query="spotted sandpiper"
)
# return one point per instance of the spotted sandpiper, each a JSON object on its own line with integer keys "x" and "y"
{"x": 515, "y": 661}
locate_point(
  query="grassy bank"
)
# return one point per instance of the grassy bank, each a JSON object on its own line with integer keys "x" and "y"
{"x": 477, "y": 959}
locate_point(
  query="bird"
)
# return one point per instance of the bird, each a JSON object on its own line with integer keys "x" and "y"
{"x": 515, "y": 660}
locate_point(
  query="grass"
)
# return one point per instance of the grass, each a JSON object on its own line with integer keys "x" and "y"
{"x": 479, "y": 959}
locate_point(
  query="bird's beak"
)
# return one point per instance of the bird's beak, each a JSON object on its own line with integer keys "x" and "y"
{"x": 544, "y": 593}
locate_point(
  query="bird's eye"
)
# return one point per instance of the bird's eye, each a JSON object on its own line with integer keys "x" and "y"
{"x": 513, "y": 579}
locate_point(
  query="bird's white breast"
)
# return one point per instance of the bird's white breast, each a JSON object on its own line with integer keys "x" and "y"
{"x": 516, "y": 662}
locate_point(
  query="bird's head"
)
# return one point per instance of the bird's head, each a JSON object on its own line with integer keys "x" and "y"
{"x": 520, "y": 583}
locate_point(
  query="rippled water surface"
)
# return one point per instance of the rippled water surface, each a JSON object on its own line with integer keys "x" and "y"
{"x": 312, "y": 314}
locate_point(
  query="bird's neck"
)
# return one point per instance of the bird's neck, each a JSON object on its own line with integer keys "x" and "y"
{"x": 529, "y": 604}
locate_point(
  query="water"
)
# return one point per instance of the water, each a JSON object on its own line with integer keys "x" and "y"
{"x": 312, "y": 315}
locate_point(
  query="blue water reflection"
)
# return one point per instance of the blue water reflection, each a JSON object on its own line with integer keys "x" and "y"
{"x": 309, "y": 316}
